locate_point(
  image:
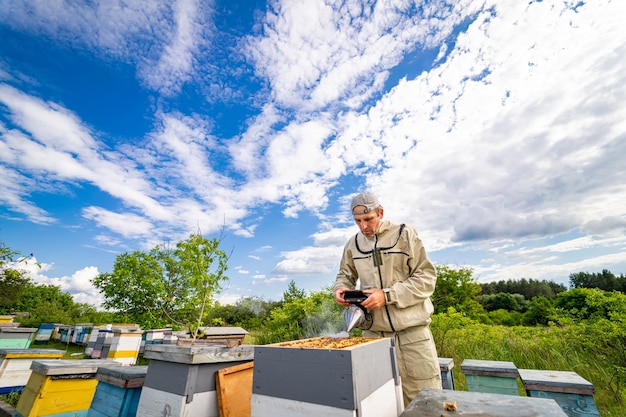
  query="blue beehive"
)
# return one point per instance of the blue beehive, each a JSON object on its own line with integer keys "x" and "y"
{"x": 573, "y": 393}
{"x": 118, "y": 391}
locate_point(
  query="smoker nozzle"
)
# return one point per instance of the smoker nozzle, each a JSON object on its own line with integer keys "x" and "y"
{"x": 357, "y": 316}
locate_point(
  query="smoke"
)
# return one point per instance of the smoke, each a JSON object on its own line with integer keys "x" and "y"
{"x": 328, "y": 321}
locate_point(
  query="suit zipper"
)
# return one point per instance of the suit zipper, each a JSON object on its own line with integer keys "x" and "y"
{"x": 380, "y": 278}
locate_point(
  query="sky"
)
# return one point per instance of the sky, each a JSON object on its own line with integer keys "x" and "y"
{"x": 496, "y": 128}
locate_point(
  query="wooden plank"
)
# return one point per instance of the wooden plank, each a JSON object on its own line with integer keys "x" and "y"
{"x": 234, "y": 390}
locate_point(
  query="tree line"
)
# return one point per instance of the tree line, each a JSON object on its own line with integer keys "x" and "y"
{"x": 177, "y": 287}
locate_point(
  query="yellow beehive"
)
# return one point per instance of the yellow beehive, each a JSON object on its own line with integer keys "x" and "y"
{"x": 60, "y": 386}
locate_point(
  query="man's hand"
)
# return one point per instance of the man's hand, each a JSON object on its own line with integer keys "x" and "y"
{"x": 339, "y": 297}
{"x": 376, "y": 299}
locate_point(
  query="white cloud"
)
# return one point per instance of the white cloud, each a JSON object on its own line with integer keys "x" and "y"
{"x": 78, "y": 284}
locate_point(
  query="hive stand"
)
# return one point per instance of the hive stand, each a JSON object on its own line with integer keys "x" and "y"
{"x": 118, "y": 391}
{"x": 573, "y": 393}
{"x": 447, "y": 377}
{"x": 496, "y": 377}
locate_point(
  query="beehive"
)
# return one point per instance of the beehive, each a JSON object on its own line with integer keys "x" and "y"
{"x": 181, "y": 379}
{"x": 16, "y": 337}
{"x": 44, "y": 333}
{"x": 327, "y": 376}
{"x": 572, "y": 392}
{"x": 60, "y": 388}
{"x": 497, "y": 377}
{"x": 445, "y": 368}
{"x": 118, "y": 391}
{"x": 124, "y": 347}
{"x": 15, "y": 366}
{"x": 432, "y": 403}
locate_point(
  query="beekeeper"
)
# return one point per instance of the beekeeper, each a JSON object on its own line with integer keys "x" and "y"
{"x": 391, "y": 266}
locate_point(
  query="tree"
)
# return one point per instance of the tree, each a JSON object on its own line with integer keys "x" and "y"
{"x": 13, "y": 282}
{"x": 503, "y": 301}
{"x": 457, "y": 288}
{"x": 540, "y": 309}
{"x": 167, "y": 286}
{"x": 604, "y": 280}
{"x": 293, "y": 292}
{"x": 529, "y": 288}
{"x": 47, "y": 303}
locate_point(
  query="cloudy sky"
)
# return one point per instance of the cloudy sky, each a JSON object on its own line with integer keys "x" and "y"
{"x": 496, "y": 128}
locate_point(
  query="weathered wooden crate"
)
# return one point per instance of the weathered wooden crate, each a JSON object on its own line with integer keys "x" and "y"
{"x": 572, "y": 392}
{"x": 15, "y": 366}
{"x": 181, "y": 380}
{"x": 316, "y": 378}
{"x": 118, "y": 391}
{"x": 497, "y": 377}
{"x": 60, "y": 388}
{"x": 432, "y": 403}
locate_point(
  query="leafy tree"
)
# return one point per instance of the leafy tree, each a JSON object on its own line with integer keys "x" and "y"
{"x": 540, "y": 309}
{"x": 13, "y": 282}
{"x": 457, "y": 288}
{"x": 167, "y": 286}
{"x": 528, "y": 288}
{"x": 247, "y": 312}
{"x": 604, "y": 280}
{"x": 293, "y": 292}
{"x": 503, "y": 301}
{"x": 305, "y": 317}
{"x": 574, "y": 303}
{"x": 47, "y": 303}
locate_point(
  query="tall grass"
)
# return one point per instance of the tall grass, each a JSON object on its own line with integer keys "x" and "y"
{"x": 544, "y": 348}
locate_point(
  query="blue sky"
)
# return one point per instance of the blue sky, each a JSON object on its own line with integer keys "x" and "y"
{"x": 496, "y": 128}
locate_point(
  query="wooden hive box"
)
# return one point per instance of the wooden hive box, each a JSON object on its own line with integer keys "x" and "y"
{"x": 44, "y": 333}
{"x": 153, "y": 337}
{"x": 229, "y": 336}
{"x": 447, "y": 377}
{"x": 327, "y": 377}
{"x": 118, "y": 391}
{"x": 497, "y": 377}
{"x": 181, "y": 380}
{"x": 60, "y": 388}
{"x": 16, "y": 337}
{"x": 432, "y": 403}
{"x": 125, "y": 345}
{"x": 572, "y": 392}
{"x": 15, "y": 366}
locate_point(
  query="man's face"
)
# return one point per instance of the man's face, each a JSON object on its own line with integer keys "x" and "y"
{"x": 368, "y": 223}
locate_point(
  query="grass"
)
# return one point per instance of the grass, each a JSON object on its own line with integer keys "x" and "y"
{"x": 540, "y": 348}
{"x": 11, "y": 398}
{"x": 71, "y": 350}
